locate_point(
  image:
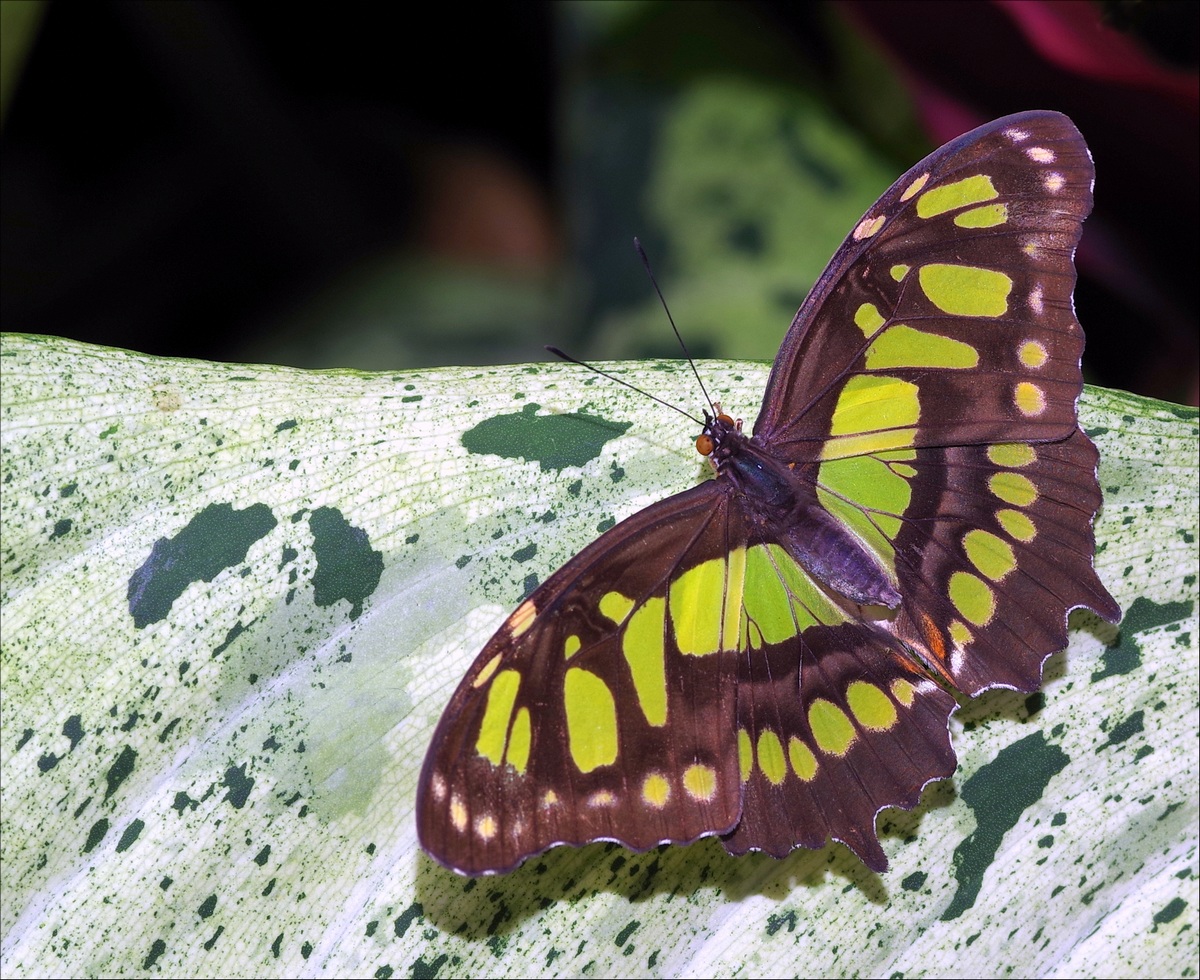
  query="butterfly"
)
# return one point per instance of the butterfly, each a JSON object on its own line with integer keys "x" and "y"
{"x": 767, "y": 656}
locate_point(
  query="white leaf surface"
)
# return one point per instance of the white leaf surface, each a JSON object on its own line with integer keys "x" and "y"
{"x": 236, "y": 598}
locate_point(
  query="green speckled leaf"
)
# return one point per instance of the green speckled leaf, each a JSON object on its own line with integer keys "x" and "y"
{"x": 236, "y": 598}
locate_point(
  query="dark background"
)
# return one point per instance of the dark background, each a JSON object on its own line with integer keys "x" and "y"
{"x": 196, "y": 179}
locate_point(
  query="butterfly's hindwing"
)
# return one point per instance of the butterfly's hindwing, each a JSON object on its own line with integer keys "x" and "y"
{"x": 990, "y": 546}
{"x": 830, "y": 731}
{"x": 995, "y": 549}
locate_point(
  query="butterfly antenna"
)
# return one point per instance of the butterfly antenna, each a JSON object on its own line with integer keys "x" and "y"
{"x": 612, "y": 377}
{"x": 654, "y": 282}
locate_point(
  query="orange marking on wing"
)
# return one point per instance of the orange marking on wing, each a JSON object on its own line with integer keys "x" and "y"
{"x": 933, "y": 637}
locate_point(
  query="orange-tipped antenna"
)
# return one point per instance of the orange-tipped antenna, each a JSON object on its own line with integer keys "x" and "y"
{"x": 653, "y": 282}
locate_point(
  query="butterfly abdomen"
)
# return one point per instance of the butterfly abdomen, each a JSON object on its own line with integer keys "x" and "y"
{"x": 827, "y": 550}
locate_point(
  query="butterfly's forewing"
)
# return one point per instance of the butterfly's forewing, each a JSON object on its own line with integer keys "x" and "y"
{"x": 946, "y": 317}
{"x": 581, "y": 719}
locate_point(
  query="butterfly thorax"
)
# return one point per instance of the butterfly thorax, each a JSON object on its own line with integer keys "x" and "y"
{"x": 779, "y": 499}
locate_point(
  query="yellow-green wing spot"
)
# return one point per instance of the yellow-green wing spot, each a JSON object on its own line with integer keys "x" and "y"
{"x": 616, "y": 607}
{"x": 972, "y": 597}
{"x": 767, "y": 602}
{"x": 517, "y": 753}
{"x": 991, "y": 555}
{"x": 735, "y": 586}
{"x": 645, "y": 653}
{"x": 965, "y": 290}
{"x": 804, "y": 763}
{"x": 833, "y": 730}
{"x": 1012, "y": 454}
{"x": 745, "y": 754}
{"x": 706, "y": 602}
{"x": 486, "y": 827}
{"x": 870, "y": 706}
{"x": 493, "y": 730}
{"x": 488, "y": 670}
{"x": 898, "y": 272}
{"x": 873, "y": 413}
{"x": 571, "y": 646}
{"x": 905, "y": 692}
{"x": 770, "y": 756}
{"x": 868, "y": 319}
{"x": 868, "y": 228}
{"x": 868, "y": 404}
{"x": 959, "y": 194}
{"x": 591, "y": 720}
{"x": 780, "y": 598}
{"x": 870, "y": 494}
{"x": 522, "y": 619}
{"x": 1013, "y": 488}
{"x": 1018, "y": 525}
{"x": 458, "y": 814}
{"x": 902, "y": 346}
{"x": 988, "y": 216}
{"x": 915, "y": 187}
{"x": 1029, "y": 398}
{"x": 656, "y": 790}
{"x": 697, "y": 597}
{"x": 700, "y": 782}
{"x": 1033, "y": 354}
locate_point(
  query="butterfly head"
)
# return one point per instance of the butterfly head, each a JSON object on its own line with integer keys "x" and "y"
{"x": 721, "y": 433}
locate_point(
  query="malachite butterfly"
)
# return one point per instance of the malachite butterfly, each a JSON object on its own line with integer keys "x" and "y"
{"x": 765, "y": 657}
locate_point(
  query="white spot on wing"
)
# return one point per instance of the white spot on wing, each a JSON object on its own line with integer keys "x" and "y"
{"x": 867, "y": 228}
{"x": 1036, "y": 302}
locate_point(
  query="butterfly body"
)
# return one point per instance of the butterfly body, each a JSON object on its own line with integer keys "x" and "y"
{"x": 763, "y": 656}
{"x": 780, "y": 500}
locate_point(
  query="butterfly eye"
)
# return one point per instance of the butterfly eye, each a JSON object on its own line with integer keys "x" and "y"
{"x": 725, "y": 418}
{"x": 705, "y": 445}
